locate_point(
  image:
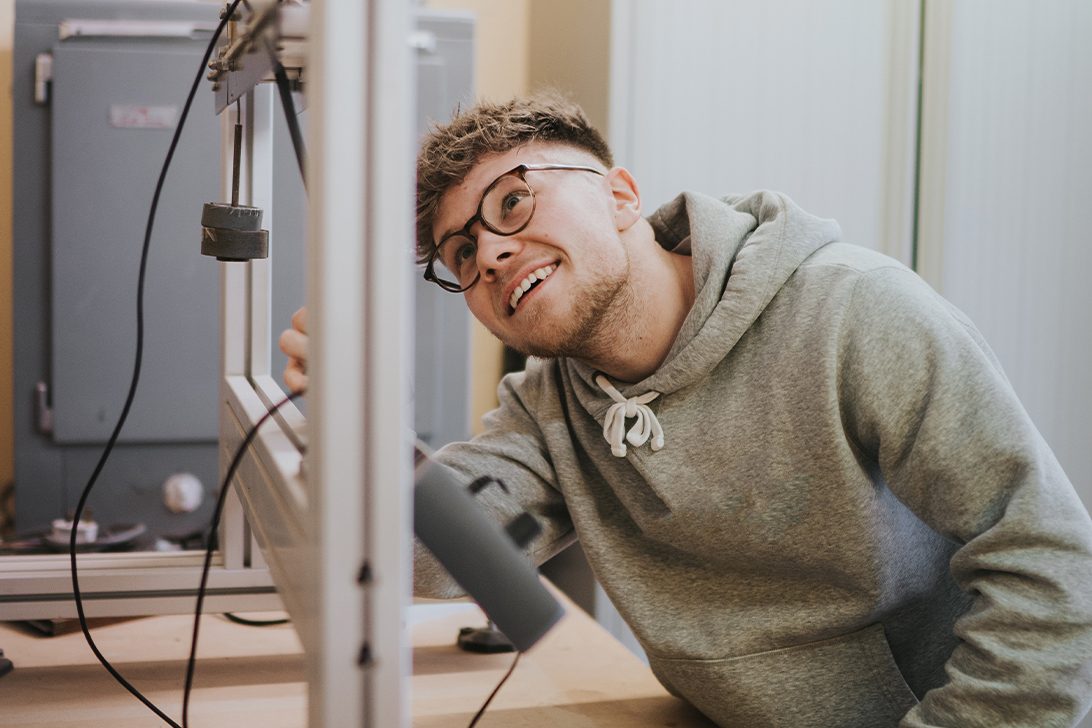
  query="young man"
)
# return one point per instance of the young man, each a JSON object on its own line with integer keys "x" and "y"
{"x": 800, "y": 474}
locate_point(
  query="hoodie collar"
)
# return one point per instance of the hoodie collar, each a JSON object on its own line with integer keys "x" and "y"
{"x": 744, "y": 248}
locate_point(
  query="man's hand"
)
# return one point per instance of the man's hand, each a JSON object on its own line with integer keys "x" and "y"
{"x": 293, "y": 342}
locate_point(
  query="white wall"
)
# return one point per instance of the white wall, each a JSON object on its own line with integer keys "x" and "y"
{"x": 1017, "y": 247}
{"x": 814, "y": 98}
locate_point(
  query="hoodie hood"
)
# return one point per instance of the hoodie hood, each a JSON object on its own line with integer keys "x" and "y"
{"x": 744, "y": 248}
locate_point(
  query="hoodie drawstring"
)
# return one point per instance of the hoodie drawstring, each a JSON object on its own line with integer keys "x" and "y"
{"x": 615, "y": 422}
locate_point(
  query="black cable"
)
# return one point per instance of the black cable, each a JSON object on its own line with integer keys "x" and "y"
{"x": 136, "y": 372}
{"x": 297, "y": 143}
{"x": 191, "y": 665}
{"x": 481, "y": 711}
{"x": 254, "y": 622}
{"x": 285, "y": 90}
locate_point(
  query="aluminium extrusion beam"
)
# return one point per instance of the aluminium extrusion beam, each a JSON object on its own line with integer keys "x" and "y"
{"x": 127, "y": 585}
{"x": 335, "y": 528}
{"x": 359, "y": 263}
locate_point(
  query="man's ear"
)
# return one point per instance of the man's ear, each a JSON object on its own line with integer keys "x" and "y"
{"x": 627, "y": 198}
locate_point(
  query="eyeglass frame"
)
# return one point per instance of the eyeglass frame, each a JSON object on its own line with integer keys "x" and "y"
{"x": 518, "y": 171}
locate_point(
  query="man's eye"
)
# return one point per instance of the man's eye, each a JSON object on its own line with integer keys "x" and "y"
{"x": 464, "y": 253}
{"x": 512, "y": 201}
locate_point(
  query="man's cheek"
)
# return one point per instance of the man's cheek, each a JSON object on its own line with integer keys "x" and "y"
{"x": 482, "y": 309}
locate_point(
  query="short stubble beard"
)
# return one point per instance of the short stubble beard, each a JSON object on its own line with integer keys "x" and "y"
{"x": 599, "y": 325}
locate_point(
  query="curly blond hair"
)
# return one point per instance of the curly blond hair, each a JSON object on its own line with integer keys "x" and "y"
{"x": 449, "y": 151}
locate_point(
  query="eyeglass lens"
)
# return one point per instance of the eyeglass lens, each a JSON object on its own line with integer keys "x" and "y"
{"x": 506, "y": 208}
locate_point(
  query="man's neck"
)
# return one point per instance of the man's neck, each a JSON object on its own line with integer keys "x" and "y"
{"x": 662, "y": 294}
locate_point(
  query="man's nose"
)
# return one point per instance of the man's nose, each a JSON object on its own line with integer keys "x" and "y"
{"x": 494, "y": 251}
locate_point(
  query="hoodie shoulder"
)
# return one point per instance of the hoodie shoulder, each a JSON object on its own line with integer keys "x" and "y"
{"x": 854, "y": 257}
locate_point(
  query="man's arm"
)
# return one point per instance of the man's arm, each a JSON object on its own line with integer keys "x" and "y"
{"x": 512, "y": 450}
{"x": 923, "y": 395}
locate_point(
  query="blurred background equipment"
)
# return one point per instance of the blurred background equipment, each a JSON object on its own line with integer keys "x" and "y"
{"x": 97, "y": 91}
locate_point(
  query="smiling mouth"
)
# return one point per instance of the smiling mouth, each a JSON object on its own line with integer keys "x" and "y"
{"x": 533, "y": 279}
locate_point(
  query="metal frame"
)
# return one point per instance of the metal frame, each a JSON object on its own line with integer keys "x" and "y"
{"x": 146, "y": 583}
{"x": 332, "y": 521}
{"x": 329, "y": 499}
{"x": 128, "y": 584}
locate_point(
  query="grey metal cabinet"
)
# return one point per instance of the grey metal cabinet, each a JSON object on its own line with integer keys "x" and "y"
{"x": 85, "y": 167}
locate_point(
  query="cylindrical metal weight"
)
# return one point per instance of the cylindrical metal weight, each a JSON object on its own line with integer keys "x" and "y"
{"x": 234, "y": 245}
{"x": 231, "y": 217}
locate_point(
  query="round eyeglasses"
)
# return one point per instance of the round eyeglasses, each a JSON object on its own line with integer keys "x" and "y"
{"x": 506, "y": 208}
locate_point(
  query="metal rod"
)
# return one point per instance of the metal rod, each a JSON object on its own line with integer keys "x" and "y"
{"x": 236, "y": 165}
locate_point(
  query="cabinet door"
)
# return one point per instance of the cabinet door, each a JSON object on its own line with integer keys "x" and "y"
{"x": 115, "y": 108}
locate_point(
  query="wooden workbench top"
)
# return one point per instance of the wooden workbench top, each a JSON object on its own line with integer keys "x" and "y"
{"x": 577, "y": 677}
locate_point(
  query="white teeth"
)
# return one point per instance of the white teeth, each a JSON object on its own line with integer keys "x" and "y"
{"x": 539, "y": 274}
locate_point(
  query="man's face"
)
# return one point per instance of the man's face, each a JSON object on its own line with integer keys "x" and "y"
{"x": 573, "y": 236}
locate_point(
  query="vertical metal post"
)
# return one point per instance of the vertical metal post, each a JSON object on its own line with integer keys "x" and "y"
{"x": 332, "y": 631}
{"x": 260, "y": 110}
{"x": 357, "y": 462}
{"x": 388, "y": 356}
{"x": 901, "y": 129}
{"x": 233, "y": 347}
{"x": 933, "y": 146}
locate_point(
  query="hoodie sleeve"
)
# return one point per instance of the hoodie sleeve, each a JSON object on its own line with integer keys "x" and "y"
{"x": 922, "y": 394}
{"x": 512, "y": 450}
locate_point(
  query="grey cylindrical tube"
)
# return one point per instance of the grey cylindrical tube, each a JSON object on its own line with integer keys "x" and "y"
{"x": 482, "y": 558}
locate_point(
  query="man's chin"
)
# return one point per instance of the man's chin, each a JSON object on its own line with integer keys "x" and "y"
{"x": 574, "y": 343}
{"x": 538, "y": 349}
{"x": 574, "y": 330}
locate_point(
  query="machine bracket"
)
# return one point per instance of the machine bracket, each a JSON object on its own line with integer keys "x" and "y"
{"x": 43, "y": 74}
{"x": 43, "y": 412}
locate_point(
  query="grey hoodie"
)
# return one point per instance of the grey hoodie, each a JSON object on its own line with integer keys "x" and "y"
{"x": 852, "y": 521}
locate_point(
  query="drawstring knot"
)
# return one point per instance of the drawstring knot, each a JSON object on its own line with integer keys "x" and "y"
{"x": 615, "y": 423}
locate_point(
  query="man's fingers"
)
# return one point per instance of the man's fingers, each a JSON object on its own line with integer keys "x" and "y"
{"x": 294, "y": 377}
{"x": 294, "y": 344}
{"x": 299, "y": 320}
